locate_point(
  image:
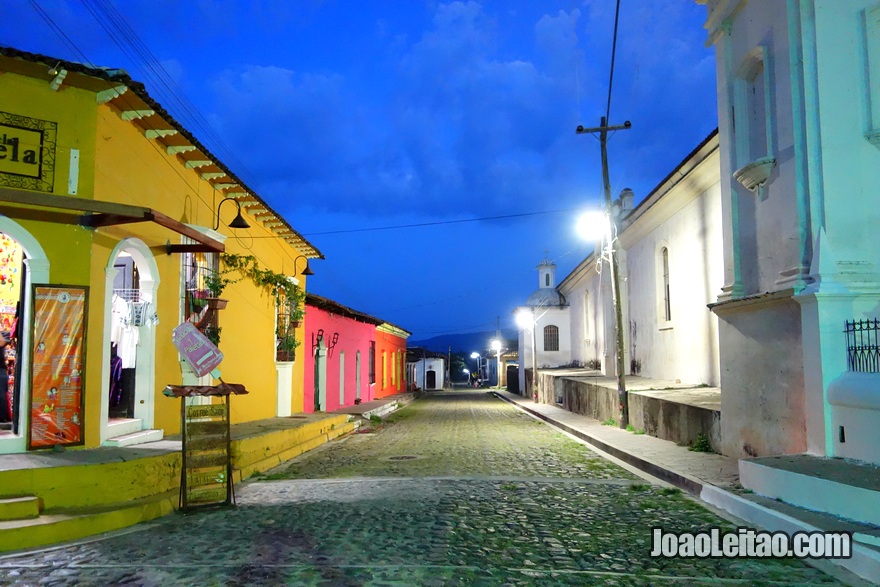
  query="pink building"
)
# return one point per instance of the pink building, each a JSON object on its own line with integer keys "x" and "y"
{"x": 341, "y": 359}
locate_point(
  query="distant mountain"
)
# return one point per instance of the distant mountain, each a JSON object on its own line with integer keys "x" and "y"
{"x": 466, "y": 342}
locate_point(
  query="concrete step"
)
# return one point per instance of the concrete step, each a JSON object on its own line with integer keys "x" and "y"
{"x": 139, "y": 437}
{"x": 66, "y": 525}
{"x": 25, "y": 507}
{"x": 123, "y": 426}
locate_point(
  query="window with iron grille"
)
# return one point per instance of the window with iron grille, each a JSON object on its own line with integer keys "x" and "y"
{"x": 863, "y": 345}
{"x": 285, "y": 332}
{"x": 551, "y": 338}
{"x": 196, "y": 267}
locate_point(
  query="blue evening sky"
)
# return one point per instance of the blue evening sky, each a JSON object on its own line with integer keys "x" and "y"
{"x": 348, "y": 115}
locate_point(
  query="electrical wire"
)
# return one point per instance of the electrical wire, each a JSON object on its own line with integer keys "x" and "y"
{"x": 121, "y": 41}
{"x": 437, "y": 223}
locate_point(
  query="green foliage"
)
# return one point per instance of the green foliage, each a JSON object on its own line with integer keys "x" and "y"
{"x": 277, "y": 285}
{"x": 639, "y": 487}
{"x": 213, "y": 333}
{"x": 216, "y": 283}
{"x": 375, "y": 419}
{"x": 610, "y": 422}
{"x": 701, "y": 444}
{"x": 670, "y": 491}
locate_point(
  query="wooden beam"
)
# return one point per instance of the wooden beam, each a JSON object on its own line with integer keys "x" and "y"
{"x": 68, "y": 203}
{"x": 175, "y": 149}
{"x": 107, "y": 95}
{"x": 136, "y": 114}
{"x": 159, "y": 132}
{"x": 189, "y": 249}
{"x": 181, "y": 228}
{"x": 98, "y": 220}
{"x": 196, "y": 163}
{"x": 100, "y": 213}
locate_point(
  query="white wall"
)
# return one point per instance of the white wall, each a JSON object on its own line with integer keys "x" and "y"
{"x": 684, "y": 348}
{"x": 587, "y": 289}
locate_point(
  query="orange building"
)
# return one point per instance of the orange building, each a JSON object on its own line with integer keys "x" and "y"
{"x": 390, "y": 357}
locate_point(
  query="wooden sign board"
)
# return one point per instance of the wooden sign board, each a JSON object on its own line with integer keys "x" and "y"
{"x": 207, "y": 467}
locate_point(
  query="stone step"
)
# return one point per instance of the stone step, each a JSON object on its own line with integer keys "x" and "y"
{"x": 25, "y": 507}
{"x": 63, "y": 526}
{"x": 139, "y": 437}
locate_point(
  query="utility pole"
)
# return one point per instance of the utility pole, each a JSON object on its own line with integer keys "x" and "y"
{"x": 602, "y": 131}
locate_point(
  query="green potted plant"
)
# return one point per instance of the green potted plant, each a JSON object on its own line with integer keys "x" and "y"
{"x": 285, "y": 348}
{"x": 215, "y": 283}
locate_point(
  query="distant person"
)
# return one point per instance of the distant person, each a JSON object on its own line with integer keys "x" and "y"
{"x": 5, "y": 416}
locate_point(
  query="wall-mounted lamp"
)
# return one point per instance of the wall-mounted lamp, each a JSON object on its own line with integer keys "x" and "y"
{"x": 307, "y": 270}
{"x": 58, "y": 73}
{"x": 238, "y": 221}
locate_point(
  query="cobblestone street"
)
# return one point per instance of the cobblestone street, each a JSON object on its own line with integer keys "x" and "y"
{"x": 458, "y": 488}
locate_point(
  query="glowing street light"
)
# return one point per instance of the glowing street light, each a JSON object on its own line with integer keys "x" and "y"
{"x": 478, "y": 357}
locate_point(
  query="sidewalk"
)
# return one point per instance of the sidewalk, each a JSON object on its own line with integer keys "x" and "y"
{"x": 710, "y": 477}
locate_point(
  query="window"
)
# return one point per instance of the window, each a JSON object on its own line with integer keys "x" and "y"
{"x": 372, "y": 361}
{"x": 342, "y": 378}
{"x": 196, "y": 267}
{"x": 384, "y": 370}
{"x": 667, "y": 302}
{"x": 285, "y": 332}
{"x": 547, "y": 279}
{"x": 551, "y": 338}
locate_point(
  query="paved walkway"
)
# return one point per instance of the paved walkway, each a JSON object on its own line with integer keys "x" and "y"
{"x": 713, "y": 478}
{"x": 661, "y": 458}
{"x": 458, "y": 489}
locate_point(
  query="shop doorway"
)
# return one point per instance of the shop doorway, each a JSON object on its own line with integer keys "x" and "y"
{"x": 13, "y": 290}
{"x": 129, "y": 371}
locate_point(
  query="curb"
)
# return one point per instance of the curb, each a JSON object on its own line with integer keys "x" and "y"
{"x": 683, "y": 482}
{"x": 864, "y": 562}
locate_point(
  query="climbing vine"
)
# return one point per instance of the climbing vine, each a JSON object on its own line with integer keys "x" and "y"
{"x": 277, "y": 285}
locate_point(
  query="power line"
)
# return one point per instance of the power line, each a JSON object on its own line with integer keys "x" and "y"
{"x": 437, "y": 223}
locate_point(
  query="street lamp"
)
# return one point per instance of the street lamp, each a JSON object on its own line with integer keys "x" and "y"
{"x": 526, "y": 321}
{"x": 496, "y": 346}
{"x": 478, "y": 357}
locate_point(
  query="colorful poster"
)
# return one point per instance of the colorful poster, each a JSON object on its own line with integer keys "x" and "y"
{"x": 57, "y": 362}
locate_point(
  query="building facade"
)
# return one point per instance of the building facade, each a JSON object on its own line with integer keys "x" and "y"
{"x": 113, "y": 215}
{"x": 799, "y": 118}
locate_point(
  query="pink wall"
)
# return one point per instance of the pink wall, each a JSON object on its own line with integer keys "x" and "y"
{"x": 354, "y": 336}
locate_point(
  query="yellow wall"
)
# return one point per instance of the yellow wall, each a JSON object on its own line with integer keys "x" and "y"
{"x": 119, "y": 164}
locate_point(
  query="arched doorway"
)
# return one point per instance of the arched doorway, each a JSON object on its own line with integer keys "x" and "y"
{"x": 22, "y": 253}
{"x": 128, "y": 380}
{"x": 431, "y": 379}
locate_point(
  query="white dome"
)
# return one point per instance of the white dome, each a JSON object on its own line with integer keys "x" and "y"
{"x": 546, "y": 296}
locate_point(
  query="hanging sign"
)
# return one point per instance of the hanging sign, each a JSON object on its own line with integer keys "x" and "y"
{"x": 199, "y": 352}
{"x": 57, "y": 365}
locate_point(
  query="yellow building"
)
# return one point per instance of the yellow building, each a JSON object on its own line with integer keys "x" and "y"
{"x": 113, "y": 218}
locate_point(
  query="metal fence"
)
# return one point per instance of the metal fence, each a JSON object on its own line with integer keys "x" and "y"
{"x": 863, "y": 345}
